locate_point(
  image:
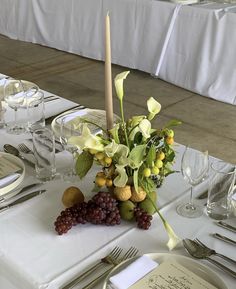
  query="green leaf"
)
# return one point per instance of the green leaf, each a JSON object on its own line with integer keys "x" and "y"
{"x": 173, "y": 122}
{"x": 147, "y": 184}
{"x": 83, "y": 164}
{"x": 151, "y": 156}
{"x": 138, "y": 138}
{"x": 136, "y": 156}
{"x": 170, "y": 157}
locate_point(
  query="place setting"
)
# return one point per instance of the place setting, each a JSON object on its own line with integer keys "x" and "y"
{"x": 92, "y": 199}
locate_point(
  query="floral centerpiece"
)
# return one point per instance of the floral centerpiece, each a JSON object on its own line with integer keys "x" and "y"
{"x": 134, "y": 158}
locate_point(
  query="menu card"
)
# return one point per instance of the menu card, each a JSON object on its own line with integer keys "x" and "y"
{"x": 171, "y": 275}
{"x": 7, "y": 167}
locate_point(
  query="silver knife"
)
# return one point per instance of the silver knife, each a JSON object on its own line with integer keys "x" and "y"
{"x": 226, "y": 226}
{"x": 22, "y": 199}
{"x": 22, "y": 190}
{"x": 223, "y": 238}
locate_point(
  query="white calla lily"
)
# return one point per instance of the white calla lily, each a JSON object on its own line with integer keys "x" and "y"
{"x": 87, "y": 140}
{"x": 115, "y": 133}
{"x": 122, "y": 178}
{"x": 111, "y": 149}
{"x": 135, "y": 120}
{"x": 119, "y": 79}
{"x": 145, "y": 128}
{"x": 154, "y": 107}
{"x": 174, "y": 240}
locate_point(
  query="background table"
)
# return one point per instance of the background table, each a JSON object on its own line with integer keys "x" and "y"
{"x": 32, "y": 255}
{"x": 190, "y": 46}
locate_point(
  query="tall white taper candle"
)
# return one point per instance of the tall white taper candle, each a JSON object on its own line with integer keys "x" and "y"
{"x": 108, "y": 75}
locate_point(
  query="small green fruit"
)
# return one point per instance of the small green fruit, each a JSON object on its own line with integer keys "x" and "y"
{"x": 146, "y": 204}
{"x": 146, "y": 172}
{"x": 159, "y": 164}
{"x": 155, "y": 170}
{"x": 126, "y": 209}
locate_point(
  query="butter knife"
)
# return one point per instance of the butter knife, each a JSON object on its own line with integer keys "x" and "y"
{"x": 22, "y": 199}
{"x": 226, "y": 226}
{"x": 223, "y": 238}
{"x": 22, "y": 190}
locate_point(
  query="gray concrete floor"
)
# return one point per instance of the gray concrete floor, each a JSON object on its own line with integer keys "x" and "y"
{"x": 207, "y": 124}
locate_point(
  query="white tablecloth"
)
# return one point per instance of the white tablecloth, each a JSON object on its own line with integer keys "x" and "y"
{"x": 33, "y": 256}
{"x": 190, "y": 46}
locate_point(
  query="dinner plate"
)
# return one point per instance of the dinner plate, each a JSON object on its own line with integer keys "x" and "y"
{"x": 19, "y": 180}
{"x": 199, "y": 269}
{"x": 96, "y": 116}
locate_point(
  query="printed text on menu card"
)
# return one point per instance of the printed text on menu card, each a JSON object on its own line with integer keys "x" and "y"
{"x": 171, "y": 275}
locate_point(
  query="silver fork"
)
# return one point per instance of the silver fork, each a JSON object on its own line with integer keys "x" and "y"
{"x": 24, "y": 149}
{"x": 197, "y": 251}
{"x": 132, "y": 252}
{"x": 109, "y": 259}
{"x": 213, "y": 252}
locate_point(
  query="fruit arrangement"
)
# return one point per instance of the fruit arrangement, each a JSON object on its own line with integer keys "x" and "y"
{"x": 101, "y": 209}
{"x": 135, "y": 159}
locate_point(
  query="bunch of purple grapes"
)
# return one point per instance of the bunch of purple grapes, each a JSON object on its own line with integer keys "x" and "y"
{"x": 142, "y": 218}
{"x": 101, "y": 209}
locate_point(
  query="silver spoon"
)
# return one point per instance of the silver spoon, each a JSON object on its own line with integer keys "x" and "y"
{"x": 8, "y": 148}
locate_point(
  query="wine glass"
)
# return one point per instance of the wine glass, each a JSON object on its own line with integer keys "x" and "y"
{"x": 67, "y": 131}
{"x": 14, "y": 95}
{"x": 194, "y": 168}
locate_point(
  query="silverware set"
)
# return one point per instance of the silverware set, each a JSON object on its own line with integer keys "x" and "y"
{"x": 200, "y": 251}
{"x": 22, "y": 199}
{"x": 112, "y": 259}
{"x": 20, "y": 191}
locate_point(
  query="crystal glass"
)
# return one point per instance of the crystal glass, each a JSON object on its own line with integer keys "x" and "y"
{"x": 35, "y": 109}
{"x": 221, "y": 189}
{"x": 14, "y": 95}
{"x": 44, "y": 153}
{"x": 194, "y": 168}
{"x": 67, "y": 131}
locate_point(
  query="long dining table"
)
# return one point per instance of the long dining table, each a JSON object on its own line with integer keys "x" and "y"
{"x": 33, "y": 256}
{"x": 191, "y": 46}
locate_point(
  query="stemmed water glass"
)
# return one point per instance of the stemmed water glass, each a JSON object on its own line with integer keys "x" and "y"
{"x": 68, "y": 131}
{"x": 194, "y": 168}
{"x": 14, "y": 95}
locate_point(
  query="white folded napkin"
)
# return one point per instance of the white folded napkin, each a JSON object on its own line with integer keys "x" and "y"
{"x": 57, "y": 106}
{"x": 8, "y": 180}
{"x": 132, "y": 273}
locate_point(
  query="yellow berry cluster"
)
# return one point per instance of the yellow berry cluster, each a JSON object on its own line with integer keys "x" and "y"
{"x": 103, "y": 159}
{"x": 102, "y": 180}
{"x": 158, "y": 164}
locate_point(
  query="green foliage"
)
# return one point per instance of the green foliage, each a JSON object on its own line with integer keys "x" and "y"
{"x": 147, "y": 184}
{"x": 151, "y": 155}
{"x": 84, "y": 163}
{"x": 173, "y": 122}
